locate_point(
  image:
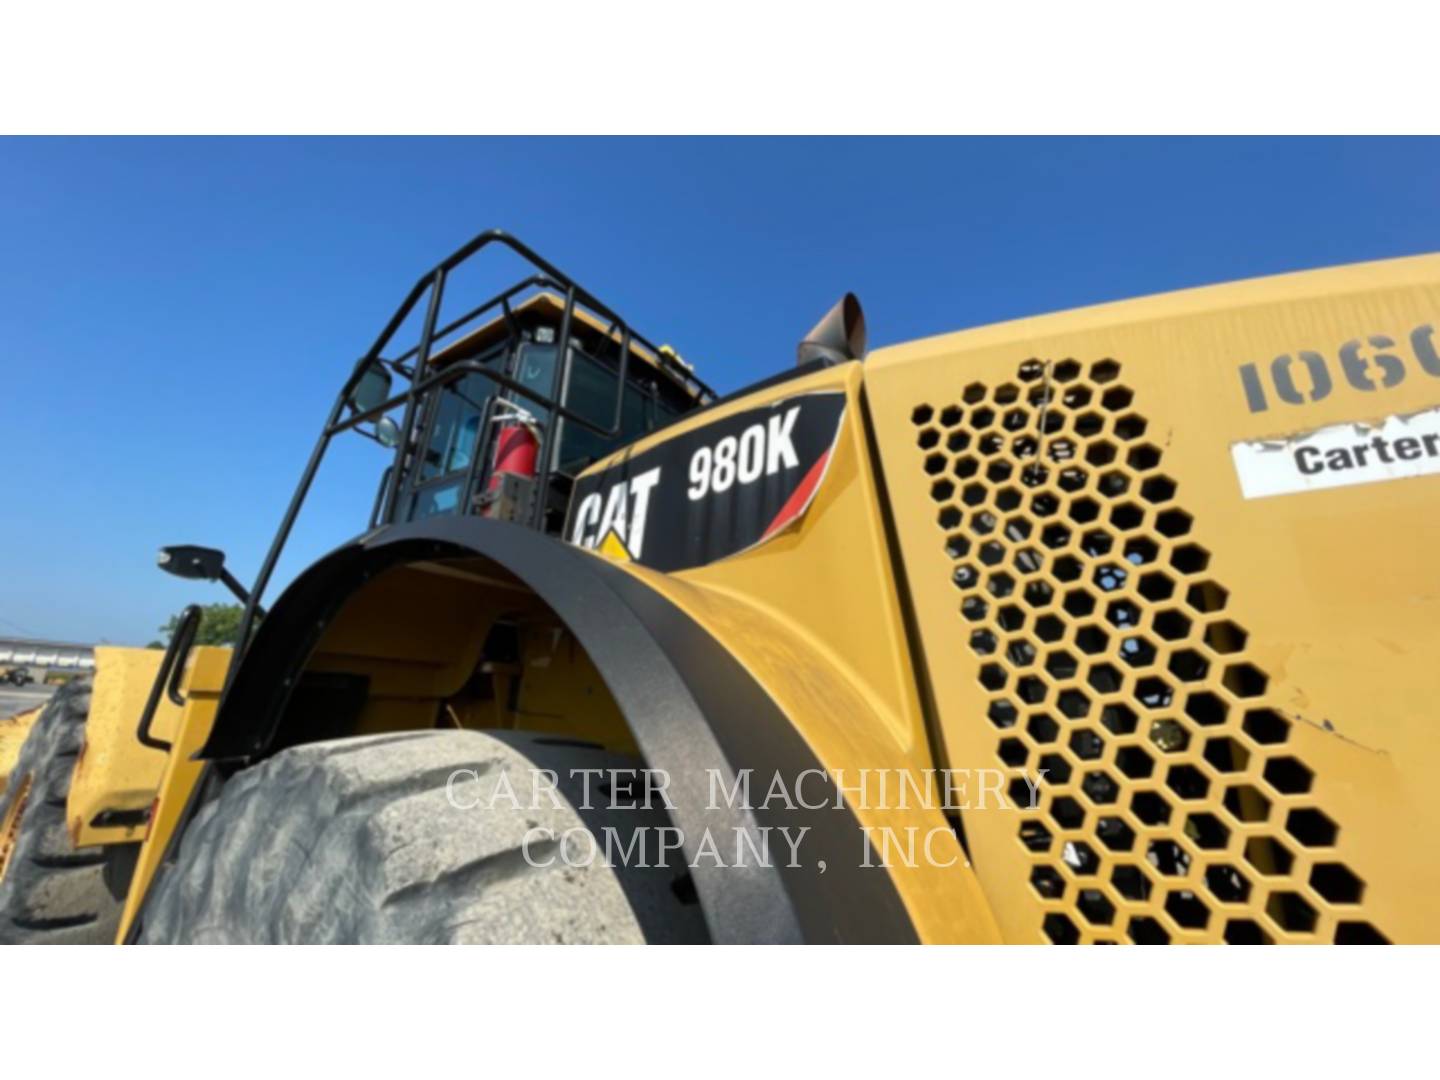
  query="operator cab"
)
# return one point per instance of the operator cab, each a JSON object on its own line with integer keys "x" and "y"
{"x": 465, "y": 423}
{"x": 501, "y": 409}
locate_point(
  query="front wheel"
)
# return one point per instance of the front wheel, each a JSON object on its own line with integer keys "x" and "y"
{"x": 415, "y": 838}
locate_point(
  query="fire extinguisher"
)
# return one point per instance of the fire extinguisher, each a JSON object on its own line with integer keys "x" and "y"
{"x": 517, "y": 453}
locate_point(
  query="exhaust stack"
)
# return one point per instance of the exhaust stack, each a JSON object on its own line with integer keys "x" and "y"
{"x": 838, "y": 337}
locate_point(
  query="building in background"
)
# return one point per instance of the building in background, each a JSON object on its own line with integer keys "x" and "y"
{"x": 45, "y": 657}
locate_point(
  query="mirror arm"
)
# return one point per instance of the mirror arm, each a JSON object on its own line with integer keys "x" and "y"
{"x": 241, "y": 593}
{"x": 371, "y": 436}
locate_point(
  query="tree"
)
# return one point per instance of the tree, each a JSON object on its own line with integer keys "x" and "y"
{"x": 219, "y": 625}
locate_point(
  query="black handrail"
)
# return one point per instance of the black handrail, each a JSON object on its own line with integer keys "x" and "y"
{"x": 553, "y": 278}
{"x": 400, "y": 480}
{"x": 399, "y": 476}
{"x": 168, "y": 678}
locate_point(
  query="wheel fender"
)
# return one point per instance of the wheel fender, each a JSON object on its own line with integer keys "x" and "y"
{"x": 695, "y": 711}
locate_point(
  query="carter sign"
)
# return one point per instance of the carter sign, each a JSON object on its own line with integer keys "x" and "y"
{"x": 1340, "y": 455}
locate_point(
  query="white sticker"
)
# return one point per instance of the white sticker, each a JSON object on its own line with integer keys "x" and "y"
{"x": 1340, "y": 455}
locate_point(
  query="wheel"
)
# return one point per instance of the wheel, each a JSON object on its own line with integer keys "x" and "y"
{"x": 411, "y": 838}
{"x": 50, "y": 891}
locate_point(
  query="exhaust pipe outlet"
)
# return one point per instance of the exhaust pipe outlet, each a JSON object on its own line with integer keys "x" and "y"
{"x": 838, "y": 337}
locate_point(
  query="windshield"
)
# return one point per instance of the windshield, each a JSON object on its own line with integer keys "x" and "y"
{"x": 457, "y": 427}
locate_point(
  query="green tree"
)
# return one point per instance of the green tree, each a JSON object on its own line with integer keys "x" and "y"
{"x": 219, "y": 625}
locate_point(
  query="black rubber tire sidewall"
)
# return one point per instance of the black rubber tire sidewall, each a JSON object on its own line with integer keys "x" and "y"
{"x": 53, "y": 892}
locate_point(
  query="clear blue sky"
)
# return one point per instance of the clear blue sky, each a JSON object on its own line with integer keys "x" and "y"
{"x": 176, "y": 315}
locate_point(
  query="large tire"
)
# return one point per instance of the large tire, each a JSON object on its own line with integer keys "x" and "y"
{"x": 363, "y": 840}
{"x": 50, "y": 891}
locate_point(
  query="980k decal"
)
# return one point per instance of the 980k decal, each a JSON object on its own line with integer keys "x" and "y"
{"x": 712, "y": 492}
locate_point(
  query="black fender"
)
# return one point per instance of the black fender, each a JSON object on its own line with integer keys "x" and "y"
{"x": 690, "y": 704}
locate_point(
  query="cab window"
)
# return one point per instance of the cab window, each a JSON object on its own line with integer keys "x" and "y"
{"x": 591, "y": 394}
{"x": 453, "y": 441}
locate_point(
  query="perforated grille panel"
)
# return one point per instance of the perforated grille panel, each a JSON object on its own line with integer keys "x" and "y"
{"x": 1172, "y": 807}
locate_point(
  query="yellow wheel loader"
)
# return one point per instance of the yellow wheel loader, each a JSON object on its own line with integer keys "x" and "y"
{"x": 1108, "y": 626}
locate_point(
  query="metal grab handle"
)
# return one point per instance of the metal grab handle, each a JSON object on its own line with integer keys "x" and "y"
{"x": 167, "y": 679}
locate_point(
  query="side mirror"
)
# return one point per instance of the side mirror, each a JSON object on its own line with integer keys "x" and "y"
{"x": 371, "y": 389}
{"x": 387, "y": 433}
{"x": 201, "y": 564}
{"x": 189, "y": 561}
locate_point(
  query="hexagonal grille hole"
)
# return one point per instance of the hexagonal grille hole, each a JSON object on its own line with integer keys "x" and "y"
{"x": 1095, "y": 907}
{"x": 1266, "y": 726}
{"x": 1247, "y": 804}
{"x": 1187, "y": 909}
{"x": 1060, "y": 929}
{"x": 1291, "y": 911}
{"x": 1288, "y": 776}
{"x": 1359, "y": 933}
{"x": 1311, "y": 827}
{"x": 1169, "y": 858}
{"x": 1227, "y": 884}
{"x": 1131, "y": 883}
{"x": 1144, "y": 930}
{"x": 1246, "y": 932}
{"x": 1035, "y": 836}
{"x": 1047, "y": 882}
{"x": 1336, "y": 883}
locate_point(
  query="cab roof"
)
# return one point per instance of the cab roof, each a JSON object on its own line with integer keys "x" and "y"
{"x": 547, "y": 309}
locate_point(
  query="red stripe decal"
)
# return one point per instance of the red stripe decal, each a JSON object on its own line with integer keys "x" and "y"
{"x": 799, "y": 498}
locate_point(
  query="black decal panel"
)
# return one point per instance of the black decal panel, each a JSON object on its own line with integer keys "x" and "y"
{"x": 711, "y": 492}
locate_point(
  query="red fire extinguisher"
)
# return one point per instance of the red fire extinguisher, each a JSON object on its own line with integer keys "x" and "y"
{"x": 517, "y": 451}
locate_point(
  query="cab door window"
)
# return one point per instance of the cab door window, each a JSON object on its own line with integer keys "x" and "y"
{"x": 454, "y": 436}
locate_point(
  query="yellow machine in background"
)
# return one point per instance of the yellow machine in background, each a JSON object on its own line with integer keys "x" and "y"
{"x": 13, "y": 732}
{"x": 1104, "y": 626}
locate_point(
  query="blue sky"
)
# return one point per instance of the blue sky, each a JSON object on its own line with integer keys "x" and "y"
{"x": 176, "y": 314}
